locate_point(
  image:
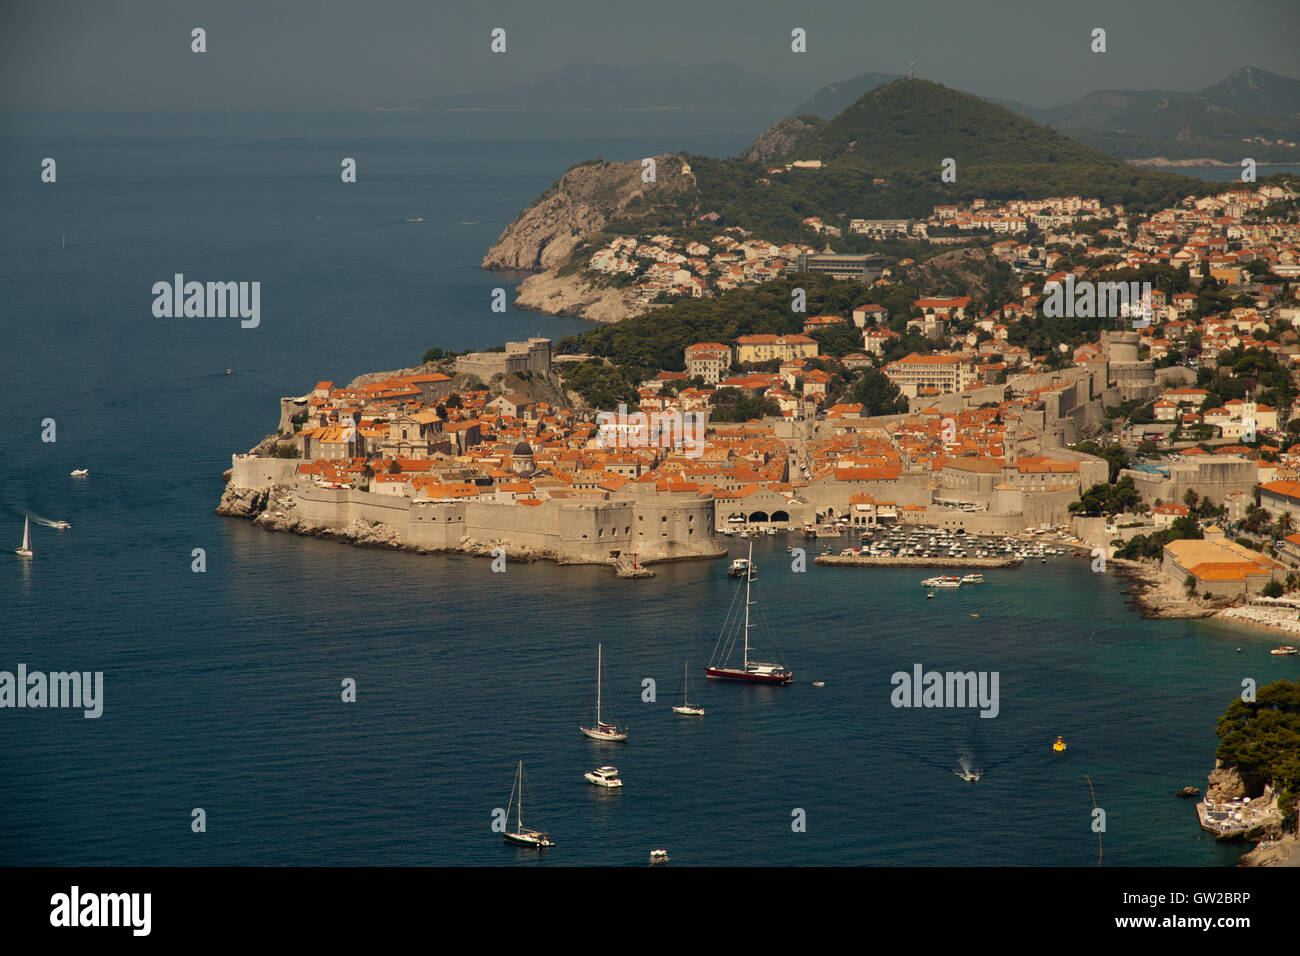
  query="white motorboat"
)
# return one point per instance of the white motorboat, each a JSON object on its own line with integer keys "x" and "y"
{"x": 658, "y": 856}
{"x": 25, "y": 550}
{"x": 603, "y": 777}
{"x": 1286, "y": 650}
{"x": 970, "y": 776}
{"x": 972, "y": 579}
{"x": 740, "y": 567}
{"x": 601, "y": 730}
{"x": 80, "y": 472}
{"x": 685, "y": 708}
{"x": 537, "y": 839}
{"x": 62, "y": 525}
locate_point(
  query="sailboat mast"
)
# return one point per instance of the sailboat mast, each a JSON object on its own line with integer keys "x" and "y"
{"x": 599, "y": 649}
{"x": 519, "y": 807}
{"x": 749, "y": 576}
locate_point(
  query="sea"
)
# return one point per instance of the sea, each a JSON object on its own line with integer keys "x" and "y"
{"x": 225, "y": 737}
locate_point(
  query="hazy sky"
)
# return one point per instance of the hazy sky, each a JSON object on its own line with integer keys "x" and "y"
{"x": 135, "y": 54}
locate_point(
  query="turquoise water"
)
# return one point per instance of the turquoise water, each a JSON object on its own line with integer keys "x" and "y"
{"x": 222, "y": 689}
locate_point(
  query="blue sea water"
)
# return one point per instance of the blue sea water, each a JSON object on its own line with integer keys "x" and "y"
{"x": 222, "y": 688}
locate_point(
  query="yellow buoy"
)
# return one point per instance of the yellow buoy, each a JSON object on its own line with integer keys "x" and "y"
{"x": 1059, "y": 746}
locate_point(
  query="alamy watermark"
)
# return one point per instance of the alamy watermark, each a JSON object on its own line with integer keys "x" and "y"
{"x": 211, "y": 300}
{"x": 1101, "y": 300}
{"x": 666, "y": 429}
{"x": 953, "y": 689}
{"x": 37, "y": 689}
{"x": 78, "y": 909}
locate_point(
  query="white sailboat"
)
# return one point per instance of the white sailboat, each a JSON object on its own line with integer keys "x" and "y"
{"x": 602, "y": 730}
{"x": 685, "y": 708}
{"x": 538, "y": 839}
{"x": 26, "y": 550}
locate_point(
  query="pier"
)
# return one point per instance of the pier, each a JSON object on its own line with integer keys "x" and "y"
{"x": 1240, "y": 819}
{"x": 867, "y": 561}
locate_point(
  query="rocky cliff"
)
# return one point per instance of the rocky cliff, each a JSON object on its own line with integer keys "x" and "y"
{"x": 554, "y": 294}
{"x": 578, "y": 205}
{"x": 780, "y": 140}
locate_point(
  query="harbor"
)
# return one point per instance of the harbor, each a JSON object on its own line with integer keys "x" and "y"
{"x": 873, "y": 561}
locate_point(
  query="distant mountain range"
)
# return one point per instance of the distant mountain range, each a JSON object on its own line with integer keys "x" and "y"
{"x": 1249, "y": 104}
{"x": 1130, "y": 124}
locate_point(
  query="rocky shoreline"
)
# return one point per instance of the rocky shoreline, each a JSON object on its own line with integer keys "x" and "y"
{"x": 1156, "y": 598}
{"x": 1275, "y": 848}
{"x": 551, "y": 293}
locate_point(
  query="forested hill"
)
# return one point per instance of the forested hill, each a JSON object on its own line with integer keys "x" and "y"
{"x": 903, "y": 132}
{"x": 882, "y": 158}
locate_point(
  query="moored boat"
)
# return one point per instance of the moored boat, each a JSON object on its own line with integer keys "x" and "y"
{"x": 601, "y": 730}
{"x": 603, "y": 777}
{"x": 755, "y": 672}
{"x": 1286, "y": 650}
{"x": 526, "y": 836}
{"x": 685, "y": 708}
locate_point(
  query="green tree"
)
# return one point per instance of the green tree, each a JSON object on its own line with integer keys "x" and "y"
{"x": 877, "y": 394}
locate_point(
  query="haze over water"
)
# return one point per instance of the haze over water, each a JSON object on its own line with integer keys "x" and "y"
{"x": 222, "y": 688}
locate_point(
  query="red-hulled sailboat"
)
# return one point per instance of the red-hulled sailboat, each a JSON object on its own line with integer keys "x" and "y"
{"x": 754, "y": 672}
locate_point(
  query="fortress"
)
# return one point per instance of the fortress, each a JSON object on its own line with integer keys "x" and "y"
{"x": 531, "y": 356}
{"x": 653, "y": 527}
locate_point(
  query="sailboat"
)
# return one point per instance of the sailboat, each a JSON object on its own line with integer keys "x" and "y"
{"x": 685, "y": 708}
{"x": 537, "y": 839}
{"x": 750, "y": 671}
{"x": 26, "y": 550}
{"x": 602, "y": 730}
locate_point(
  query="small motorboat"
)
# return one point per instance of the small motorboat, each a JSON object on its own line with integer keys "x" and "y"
{"x": 739, "y": 567}
{"x": 930, "y": 595}
{"x": 604, "y": 777}
{"x": 62, "y": 525}
{"x": 970, "y": 776}
{"x": 658, "y": 856}
{"x": 1286, "y": 650}
{"x": 1059, "y": 746}
{"x": 819, "y": 683}
{"x": 80, "y": 472}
